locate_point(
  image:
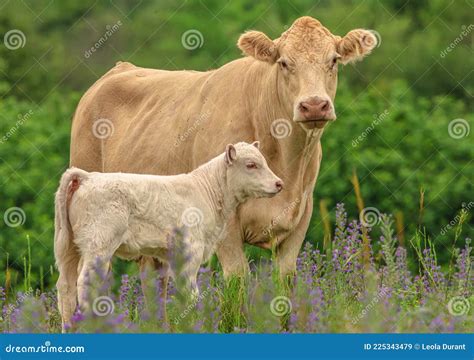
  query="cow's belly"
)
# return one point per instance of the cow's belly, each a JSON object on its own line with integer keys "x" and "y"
{"x": 268, "y": 222}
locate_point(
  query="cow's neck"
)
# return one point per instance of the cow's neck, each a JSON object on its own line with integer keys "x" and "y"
{"x": 296, "y": 153}
{"x": 212, "y": 180}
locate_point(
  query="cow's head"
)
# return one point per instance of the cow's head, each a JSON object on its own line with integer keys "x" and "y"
{"x": 307, "y": 56}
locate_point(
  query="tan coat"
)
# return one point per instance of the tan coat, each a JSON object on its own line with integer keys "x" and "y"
{"x": 168, "y": 122}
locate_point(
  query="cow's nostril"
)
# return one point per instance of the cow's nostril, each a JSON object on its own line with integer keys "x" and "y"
{"x": 325, "y": 106}
{"x": 279, "y": 185}
{"x": 303, "y": 107}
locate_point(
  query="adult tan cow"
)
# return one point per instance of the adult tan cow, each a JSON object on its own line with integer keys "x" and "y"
{"x": 169, "y": 122}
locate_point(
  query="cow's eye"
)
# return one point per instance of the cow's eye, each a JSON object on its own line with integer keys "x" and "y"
{"x": 334, "y": 62}
{"x": 283, "y": 64}
{"x": 251, "y": 165}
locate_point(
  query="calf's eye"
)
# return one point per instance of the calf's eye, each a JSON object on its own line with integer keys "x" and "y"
{"x": 251, "y": 166}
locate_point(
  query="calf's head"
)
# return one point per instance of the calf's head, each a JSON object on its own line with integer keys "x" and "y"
{"x": 248, "y": 174}
{"x": 306, "y": 59}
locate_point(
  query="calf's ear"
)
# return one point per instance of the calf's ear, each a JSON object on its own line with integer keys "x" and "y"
{"x": 356, "y": 45}
{"x": 230, "y": 154}
{"x": 258, "y": 45}
{"x": 256, "y": 144}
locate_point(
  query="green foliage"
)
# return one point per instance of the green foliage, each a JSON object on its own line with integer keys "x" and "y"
{"x": 407, "y": 84}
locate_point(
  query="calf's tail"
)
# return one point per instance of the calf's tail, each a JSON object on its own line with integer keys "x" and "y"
{"x": 64, "y": 249}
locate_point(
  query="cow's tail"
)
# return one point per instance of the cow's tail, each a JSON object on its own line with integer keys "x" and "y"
{"x": 64, "y": 249}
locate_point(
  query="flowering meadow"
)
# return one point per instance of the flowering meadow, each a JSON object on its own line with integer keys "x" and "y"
{"x": 356, "y": 284}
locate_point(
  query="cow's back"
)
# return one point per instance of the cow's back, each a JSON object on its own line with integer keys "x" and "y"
{"x": 129, "y": 112}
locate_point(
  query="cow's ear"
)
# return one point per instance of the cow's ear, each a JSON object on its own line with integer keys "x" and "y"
{"x": 258, "y": 45}
{"x": 256, "y": 144}
{"x": 230, "y": 154}
{"x": 355, "y": 45}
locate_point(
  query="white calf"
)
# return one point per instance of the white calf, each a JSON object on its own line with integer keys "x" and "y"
{"x": 99, "y": 215}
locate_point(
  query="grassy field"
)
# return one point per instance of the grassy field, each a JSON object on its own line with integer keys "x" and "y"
{"x": 356, "y": 284}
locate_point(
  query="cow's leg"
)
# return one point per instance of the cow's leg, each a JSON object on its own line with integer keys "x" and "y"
{"x": 66, "y": 285}
{"x": 287, "y": 252}
{"x": 230, "y": 251}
